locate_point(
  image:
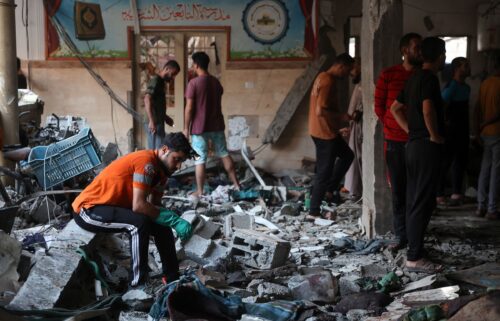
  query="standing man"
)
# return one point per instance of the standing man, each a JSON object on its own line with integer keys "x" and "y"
{"x": 326, "y": 126}
{"x": 155, "y": 103}
{"x": 456, "y": 98}
{"x": 489, "y": 130}
{"x": 390, "y": 83}
{"x": 353, "y": 182}
{"x": 126, "y": 197}
{"x": 204, "y": 122}
{"x": 423, "y": 120}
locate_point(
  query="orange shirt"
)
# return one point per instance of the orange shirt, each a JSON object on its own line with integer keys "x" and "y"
{"x": 114, "y": 185}
{"x": 489, "y": 100}
{"x": 323, "y": 95}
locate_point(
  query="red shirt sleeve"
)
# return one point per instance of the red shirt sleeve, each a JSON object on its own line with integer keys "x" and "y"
{"x": 381, "y": 90}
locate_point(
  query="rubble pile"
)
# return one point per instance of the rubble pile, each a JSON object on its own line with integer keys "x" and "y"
{"x": 256, "y": 251}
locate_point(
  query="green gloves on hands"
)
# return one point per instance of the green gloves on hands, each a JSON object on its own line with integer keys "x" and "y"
{"x": 171, "y": 219}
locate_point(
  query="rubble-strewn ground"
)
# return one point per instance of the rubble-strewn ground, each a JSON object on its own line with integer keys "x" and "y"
{"x": 263, "y": 249}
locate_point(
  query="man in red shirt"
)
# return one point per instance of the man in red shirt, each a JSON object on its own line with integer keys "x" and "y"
{"x": 126, "y": 197}
{"x": 390, "y": 83}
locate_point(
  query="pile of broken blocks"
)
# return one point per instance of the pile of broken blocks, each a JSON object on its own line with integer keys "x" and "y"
{"x": 255, "y": 245}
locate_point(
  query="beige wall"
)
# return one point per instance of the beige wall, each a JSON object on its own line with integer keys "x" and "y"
{"x": 70, "y": 90}
{"x": 270, "y": 89}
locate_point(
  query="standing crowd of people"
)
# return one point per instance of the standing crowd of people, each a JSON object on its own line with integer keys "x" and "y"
{"x": 426, "y": 132}
{"x": 426, "y": 137}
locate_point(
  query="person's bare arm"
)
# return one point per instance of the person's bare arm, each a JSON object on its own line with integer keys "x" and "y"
{"x": 430, "y": 119}
{"x": 188, "y": 116}
{"x": 398, "y": 111}
{"x": 141, "y": 205}
{"x": 149, "y": 111}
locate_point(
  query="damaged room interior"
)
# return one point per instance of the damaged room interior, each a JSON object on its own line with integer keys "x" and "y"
{"x": 253, "y": 160}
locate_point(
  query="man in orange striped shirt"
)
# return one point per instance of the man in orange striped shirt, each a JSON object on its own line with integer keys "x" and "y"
{"x": 126, "y": 197}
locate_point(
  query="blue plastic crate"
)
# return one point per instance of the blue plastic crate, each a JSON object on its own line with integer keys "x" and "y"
{"x": 58, "y": 162}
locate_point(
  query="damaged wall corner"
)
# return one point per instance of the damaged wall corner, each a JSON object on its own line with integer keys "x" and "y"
{"x": 382, "y": 25}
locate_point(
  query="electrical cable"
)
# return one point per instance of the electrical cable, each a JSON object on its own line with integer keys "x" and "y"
{"x": 71, "y": 45}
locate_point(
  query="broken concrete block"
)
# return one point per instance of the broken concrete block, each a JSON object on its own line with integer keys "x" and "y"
{"x": 348, "y": 285}
{"x": 217, "y": 252}
{"x": 138, "y": 299}
{"x": 259, "y": 250}
{"x": 43, "y": 277}
{"x": 290, "y": 209}
{"x": 10, "y": 255}
{"x": 359, "y": 314}
{"x": 45, "y": 209}
{"x": 273, "y": 291}
{"x": 253, "y": 285}
{"x": 319, "y": 287}
{"x": 208, "y": 230}
{"x": 238, "y": 221}
{"x": 211, "y": 278}
{"x": 197, "y": 248}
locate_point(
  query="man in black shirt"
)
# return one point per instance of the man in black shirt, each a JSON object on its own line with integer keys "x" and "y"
{"x": 423, "y": 119}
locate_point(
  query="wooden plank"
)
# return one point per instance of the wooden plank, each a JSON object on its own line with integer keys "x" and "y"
{"x": 292, "y": 101}
{"x": 433, "y": 296}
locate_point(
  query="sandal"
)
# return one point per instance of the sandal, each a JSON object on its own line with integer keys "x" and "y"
{"x": 425, "y": 266}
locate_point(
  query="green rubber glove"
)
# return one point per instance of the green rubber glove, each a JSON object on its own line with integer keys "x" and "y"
{"x": 170, "y": 219}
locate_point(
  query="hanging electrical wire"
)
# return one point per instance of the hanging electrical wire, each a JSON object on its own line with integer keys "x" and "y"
{"x": 71, "y": 45}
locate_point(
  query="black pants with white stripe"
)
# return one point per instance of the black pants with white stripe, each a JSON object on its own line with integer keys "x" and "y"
{"x": 111, "y": 219}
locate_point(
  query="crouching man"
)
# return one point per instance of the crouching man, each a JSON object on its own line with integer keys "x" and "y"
{"x": 125, "y": 197}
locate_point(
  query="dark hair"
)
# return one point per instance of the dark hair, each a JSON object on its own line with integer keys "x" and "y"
{"x": 457, "y": 63}
{"x": 201, "y": 59}
{"x": 432, "y": 48}
{"x": 18, "y": 63}
{"x": 406, "y": 39}
{"x": 344, "y": 59}
{"x": 177, "y": 142}
{"x": 172, "y": 64}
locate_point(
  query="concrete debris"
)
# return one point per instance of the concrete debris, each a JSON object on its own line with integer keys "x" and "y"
{"x": 485, "y": 308}
{"x": 319, "y": 287}
{"x": 197, "y": 248}
{"x": 259, "y": 250}
{"x": 42, "y": 278}
{"x": 273, "y": 291}
{"x": 138, "y": 299}
{"x": 238, "y": 221}
{"x": 10, "y": 255}
{"x": 246, "y": 317}
{"x": 133, "y": 316}
{"x": 359, "y": 314}
{"x": 433, "y": 296}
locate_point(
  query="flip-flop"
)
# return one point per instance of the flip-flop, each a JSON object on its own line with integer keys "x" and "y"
{"x": 426, "y": 266}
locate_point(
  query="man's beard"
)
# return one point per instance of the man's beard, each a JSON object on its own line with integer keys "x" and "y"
{"x": 414, "y": 61}
{"x": 167, "y": 78}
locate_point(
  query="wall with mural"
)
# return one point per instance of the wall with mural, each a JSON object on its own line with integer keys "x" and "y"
{"x": 259, "y": 29}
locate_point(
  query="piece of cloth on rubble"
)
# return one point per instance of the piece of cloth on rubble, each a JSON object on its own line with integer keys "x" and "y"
{"x": 188, "y": 298}
{"x": 31, "y": 240}
{"x": 346, "y": 244}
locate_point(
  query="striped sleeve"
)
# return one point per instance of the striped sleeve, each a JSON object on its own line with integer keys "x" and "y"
{"x": 144, "y": 174}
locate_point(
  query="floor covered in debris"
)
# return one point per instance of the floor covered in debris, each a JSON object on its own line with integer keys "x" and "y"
{"x": 253, "y": 256}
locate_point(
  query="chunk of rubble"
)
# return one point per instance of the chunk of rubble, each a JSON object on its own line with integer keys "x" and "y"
{"x": 259, "y": 250}
{"x": 10, "y": 255}
{"x": 273, "y": 291}
{"x": 138, "y": 299}
{"x": 42, "y": 279}
{"x": 318, "y": 287}
{"x": 238, "y": 221}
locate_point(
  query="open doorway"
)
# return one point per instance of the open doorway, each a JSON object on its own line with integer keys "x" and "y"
{"x": 153, "y": 48}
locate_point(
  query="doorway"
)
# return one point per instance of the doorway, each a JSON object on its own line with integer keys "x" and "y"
{"x": 153, "y": 48}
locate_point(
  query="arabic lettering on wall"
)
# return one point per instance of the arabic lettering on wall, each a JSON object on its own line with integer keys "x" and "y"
{"x": 179, "y": 12}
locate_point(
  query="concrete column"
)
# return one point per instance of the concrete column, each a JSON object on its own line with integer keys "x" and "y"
{"x": 382, "y": 25}
{"x": 8, "y": 74}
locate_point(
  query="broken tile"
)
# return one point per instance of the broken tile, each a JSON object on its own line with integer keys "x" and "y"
{"x": 319, "y": 287}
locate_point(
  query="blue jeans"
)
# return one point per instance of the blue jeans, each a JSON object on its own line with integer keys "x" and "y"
{"x": 489, "y": 177}
{"x": 155, "y": 141}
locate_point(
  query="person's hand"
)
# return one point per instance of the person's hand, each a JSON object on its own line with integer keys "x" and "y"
{"x": 437, "y": 139}
{"x": 344, "y": 131}
{"x": 171, "y": 219}
{"x": 169, "y": 120}
{"x": 152, "y": 127}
